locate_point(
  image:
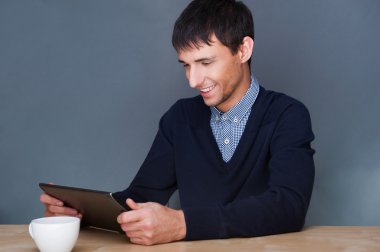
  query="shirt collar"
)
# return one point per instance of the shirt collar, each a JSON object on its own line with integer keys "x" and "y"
{"x": 237, "y": 112}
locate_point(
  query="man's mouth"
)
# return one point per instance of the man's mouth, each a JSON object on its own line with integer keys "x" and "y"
{"x": 207, "y": 89}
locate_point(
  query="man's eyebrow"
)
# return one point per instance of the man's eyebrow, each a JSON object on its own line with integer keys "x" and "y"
{"x": 203, "y": 59}
{"x": 197, "y": 60}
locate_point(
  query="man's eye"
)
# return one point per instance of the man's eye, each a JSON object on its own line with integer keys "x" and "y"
{"x": 205, "y": 63}
{"x": 185, "y": 65}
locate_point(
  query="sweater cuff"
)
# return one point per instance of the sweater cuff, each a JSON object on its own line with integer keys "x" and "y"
{"x": 202, "y": 223}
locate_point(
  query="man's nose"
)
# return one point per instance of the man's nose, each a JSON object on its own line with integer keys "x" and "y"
{"x": 195, "y": 77}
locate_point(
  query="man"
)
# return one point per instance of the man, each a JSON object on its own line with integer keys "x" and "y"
{"x": 239, "y": 155}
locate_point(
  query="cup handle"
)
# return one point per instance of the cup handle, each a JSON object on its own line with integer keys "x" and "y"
{"x": 30, "y": 231}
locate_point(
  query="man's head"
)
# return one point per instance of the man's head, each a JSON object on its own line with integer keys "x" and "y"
{"x": 214, "y": 42}
{"x": 228, "y": 20}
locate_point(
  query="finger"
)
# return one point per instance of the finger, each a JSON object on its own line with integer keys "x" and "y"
{"x": 141, "y": 241}
{"x": 132, "y": 204}
{"x": 129, "y": 217}
{"x": 49, "y": 200}
{"x": 136, "y": 240}
{"x": 132, "y": 226}
{"x": 134, "y": 234}
{"x": 48, "y": 213}
{"x": 127, "y": 229}
{"x": 62, "y": 210}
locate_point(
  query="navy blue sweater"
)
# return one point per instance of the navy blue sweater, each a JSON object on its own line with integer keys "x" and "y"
{"x": 264, "y": 189}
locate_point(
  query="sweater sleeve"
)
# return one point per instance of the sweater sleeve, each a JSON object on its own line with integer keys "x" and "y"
{"x": 282, "y": 207}
{"x": 155, "y": 180}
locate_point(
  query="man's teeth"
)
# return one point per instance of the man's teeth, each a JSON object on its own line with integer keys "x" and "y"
{"x": 208, "y": 89}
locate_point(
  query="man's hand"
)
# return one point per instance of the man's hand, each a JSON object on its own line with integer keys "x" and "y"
{"x": 152, "y": 223}
{"x": 55, "y": 207}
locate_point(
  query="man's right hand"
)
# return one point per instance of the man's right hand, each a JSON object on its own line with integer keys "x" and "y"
{"x": 55, "y": 207}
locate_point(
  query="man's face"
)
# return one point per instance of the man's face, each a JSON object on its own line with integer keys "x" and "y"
{"x": 216, "y": 73}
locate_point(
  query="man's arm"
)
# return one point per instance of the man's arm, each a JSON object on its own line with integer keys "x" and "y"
{"x": 152, "y": 222}
{"x": 155, "y": 180}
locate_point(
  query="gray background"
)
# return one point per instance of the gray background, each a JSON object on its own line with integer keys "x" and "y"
{"x": 84, "y": 83}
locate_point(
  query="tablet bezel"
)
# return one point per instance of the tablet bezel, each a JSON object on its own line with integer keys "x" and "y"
{"x": 99, "y": 209}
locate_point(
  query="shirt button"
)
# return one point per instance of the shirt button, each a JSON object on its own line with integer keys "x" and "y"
{"x": 226, "y": 141}
{"x": 224, "y": 117}
{"x": 235, "y": 120}
{"x": 217, "y": 118}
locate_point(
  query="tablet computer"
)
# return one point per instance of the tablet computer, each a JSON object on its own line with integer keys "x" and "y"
{"x": 99, "y": 208}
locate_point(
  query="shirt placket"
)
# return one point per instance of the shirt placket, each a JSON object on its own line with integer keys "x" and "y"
{"x": 226, "y": 137}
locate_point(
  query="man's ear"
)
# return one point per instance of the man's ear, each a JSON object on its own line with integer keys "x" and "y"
{"x": 246, "y": 49}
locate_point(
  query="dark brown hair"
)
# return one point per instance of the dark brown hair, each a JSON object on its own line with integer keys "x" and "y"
{"x": 229, "y": 20}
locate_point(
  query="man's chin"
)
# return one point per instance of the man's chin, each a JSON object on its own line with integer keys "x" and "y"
{"x": 210, "y": 103}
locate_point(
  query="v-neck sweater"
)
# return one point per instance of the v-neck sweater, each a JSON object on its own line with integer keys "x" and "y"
{"x": 264, "y": 189}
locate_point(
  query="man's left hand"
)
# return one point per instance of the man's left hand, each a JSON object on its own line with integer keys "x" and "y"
{"x": 152, "y": 223}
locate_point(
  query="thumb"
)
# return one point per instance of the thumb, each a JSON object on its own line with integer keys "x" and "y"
{"x": 132, "y": 204}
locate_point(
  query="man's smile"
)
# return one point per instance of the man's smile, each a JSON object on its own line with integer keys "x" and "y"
{"x": 207, "y": 89}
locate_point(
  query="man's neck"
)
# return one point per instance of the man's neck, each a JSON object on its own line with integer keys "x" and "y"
{"x": 239, "y": 92}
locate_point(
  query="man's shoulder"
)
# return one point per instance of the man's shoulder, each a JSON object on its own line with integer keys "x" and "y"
{"x": 273, "y": 104}
{"x": 277, "y": 98}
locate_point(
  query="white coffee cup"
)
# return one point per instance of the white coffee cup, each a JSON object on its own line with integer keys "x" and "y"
{"x": 58, "y": 234}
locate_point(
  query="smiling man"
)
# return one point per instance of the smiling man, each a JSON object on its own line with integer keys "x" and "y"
{"x": 239, "y": 154}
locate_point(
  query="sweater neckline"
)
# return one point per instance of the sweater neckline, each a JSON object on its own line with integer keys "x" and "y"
{"x": 249, "y": 133}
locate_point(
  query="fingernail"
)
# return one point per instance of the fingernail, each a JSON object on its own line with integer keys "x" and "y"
{"x": 59, "y": 203}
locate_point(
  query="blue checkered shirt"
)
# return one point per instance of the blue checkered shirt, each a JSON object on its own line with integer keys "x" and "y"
{"x": 229, "y": 126}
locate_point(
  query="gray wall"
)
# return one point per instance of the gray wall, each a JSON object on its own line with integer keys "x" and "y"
{"x": 84, "y": 83}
